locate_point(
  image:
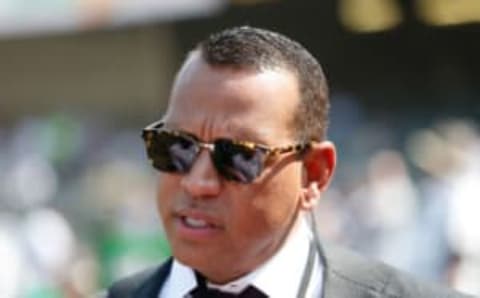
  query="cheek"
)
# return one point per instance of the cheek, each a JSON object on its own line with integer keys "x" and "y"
{"x": 282, "y": 193}
{"x": 278, "y": 204}
{"x": 167, "y": 186}
{"x": 271, "y": 209}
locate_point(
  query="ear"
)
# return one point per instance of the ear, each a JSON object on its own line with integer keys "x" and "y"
{"x": 319, "y": 165}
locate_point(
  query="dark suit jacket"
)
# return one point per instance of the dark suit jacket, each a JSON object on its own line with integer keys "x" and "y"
{"x": 347, "y": 275}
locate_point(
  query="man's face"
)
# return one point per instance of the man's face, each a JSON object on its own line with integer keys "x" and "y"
{"x": 225, "y": 229}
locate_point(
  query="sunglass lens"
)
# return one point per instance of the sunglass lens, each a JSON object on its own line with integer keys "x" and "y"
{"x": 172, "y": 153}
{"x": 237, "y": 162}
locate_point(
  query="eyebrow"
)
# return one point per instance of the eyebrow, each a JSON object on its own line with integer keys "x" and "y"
{"x": 238, "y": 133}
{"x": 256, "y": 136}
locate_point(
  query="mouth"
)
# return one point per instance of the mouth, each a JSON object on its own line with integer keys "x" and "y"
{"x": 196, "y": 223}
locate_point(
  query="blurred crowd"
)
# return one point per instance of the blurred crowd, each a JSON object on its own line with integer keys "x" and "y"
{"x": 77, "y": 205}
{"x": 405, "y": 191}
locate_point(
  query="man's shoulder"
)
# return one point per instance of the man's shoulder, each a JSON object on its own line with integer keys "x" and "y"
{"x": 351, "y": 275}
{"x": 347, "y": 275}
{"x": 144, "y": 284}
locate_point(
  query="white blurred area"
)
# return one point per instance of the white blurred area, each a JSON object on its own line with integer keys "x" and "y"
{"x": 10, "y": 258}
{"x": 26, "y": 18}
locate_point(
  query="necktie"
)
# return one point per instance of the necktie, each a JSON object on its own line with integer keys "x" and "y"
{"x": 201, "y": 291}
{"x": 250, "y": 292}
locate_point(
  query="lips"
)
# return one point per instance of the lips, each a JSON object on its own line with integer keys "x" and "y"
{"x": 195, "y": 223}
{"x": 196, "y": 219}
{"x": 197, "y": 226}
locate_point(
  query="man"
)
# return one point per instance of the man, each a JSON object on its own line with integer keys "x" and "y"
{"x": 243, "y": 160}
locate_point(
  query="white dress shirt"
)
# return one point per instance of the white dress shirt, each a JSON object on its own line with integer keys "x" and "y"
{"x": 278, "y": 277}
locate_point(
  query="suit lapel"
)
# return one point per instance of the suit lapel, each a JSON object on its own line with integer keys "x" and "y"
{"x": 341, "y": 279}
{"x": 336, "y": 288}
{"x": 151, "y": 287}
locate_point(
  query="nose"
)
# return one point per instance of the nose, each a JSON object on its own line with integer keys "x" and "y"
{"x": 202, "y": 181}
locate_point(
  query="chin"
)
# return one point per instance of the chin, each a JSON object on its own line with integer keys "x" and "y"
{"x": 189, "y": 255}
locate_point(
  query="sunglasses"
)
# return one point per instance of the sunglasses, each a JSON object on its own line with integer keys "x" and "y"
{"x": 175, "y": 151}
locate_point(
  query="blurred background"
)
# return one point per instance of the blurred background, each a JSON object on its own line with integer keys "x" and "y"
{"x": 80, "y": 78}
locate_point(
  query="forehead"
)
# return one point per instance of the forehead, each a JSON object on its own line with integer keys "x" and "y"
{"x": 213, "y": 101}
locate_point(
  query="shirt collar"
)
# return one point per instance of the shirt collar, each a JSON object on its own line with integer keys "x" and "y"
{"x": 279, "y": 276}
{"x": 180, "y": 281}
{"x": 273, "y": 277}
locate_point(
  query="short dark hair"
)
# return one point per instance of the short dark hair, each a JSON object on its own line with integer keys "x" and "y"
{"x": 262, "y": 49}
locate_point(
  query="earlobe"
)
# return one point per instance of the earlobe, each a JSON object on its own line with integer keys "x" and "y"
{"x": 311, "y": 195}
